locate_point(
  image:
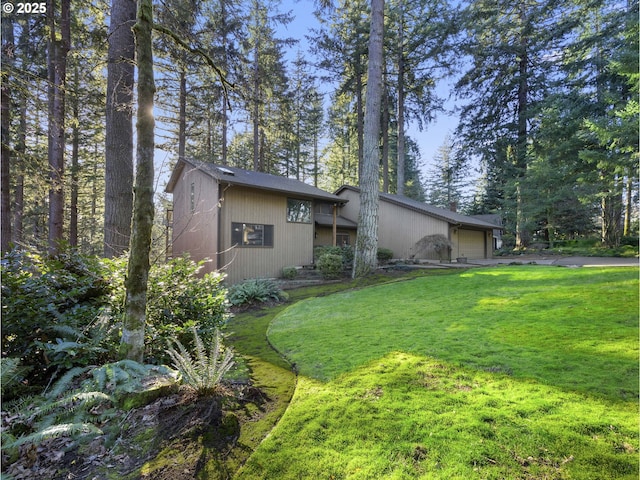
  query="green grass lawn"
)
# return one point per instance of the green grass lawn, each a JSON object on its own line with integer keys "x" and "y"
{"x": 510, "y": 372}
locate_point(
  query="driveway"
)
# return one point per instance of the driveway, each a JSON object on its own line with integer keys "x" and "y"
{"x": 563, "y": 261}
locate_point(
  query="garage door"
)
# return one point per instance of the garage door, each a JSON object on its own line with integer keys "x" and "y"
{"x": 472, "y": 243}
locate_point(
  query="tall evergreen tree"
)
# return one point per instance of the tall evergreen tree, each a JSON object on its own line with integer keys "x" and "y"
{"x": 119, "y": 128}
{"x": 365, "y": 257}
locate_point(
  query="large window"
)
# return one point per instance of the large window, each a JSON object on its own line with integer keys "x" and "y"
{"x": 298, "y": 211}
{"x": 251, "y": 235}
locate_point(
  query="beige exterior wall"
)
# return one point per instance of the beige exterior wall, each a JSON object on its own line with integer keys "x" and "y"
{"x": 195, "y": 224}
{"x": 324, "y": 236}
{"x": 399, "y": 228}
{"x": 292, "y": 242}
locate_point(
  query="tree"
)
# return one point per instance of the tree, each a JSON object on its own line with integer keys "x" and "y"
{"x": 365, "y": 257}
{"x": 132, "y": 343}
{"x": 447, "y": 177}
{"x": 5, "y": 125}
{"x": 119, "y": 129}
{"x": 58, "y": 47}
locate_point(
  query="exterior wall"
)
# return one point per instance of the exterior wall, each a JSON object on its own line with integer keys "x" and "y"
{"x": 292, "y": 242}
{"x": 399, "y": 228}
{"x": 324, "y": 236}
{"x": 195, "y": 230}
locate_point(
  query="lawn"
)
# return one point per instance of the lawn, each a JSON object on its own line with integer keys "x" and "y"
{"x": 508, "y": 372}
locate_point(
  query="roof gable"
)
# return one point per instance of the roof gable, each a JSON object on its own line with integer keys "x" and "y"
{"x": 246, "y": 178}
{"x": 437, "y": 212}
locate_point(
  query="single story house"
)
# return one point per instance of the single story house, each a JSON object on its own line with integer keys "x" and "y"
{"x": 403, "y": 222}
{"x": 252, "y": 224}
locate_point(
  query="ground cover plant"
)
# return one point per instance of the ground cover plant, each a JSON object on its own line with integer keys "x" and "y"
{"x": 510, "y": 372}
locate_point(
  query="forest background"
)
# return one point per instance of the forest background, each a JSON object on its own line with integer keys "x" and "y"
{"x": 546, "y": 95}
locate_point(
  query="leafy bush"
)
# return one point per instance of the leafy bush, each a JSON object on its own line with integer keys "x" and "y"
{"x": 384, "y": 255}
{"x": 330, "y": 265}
{"x": 63, "y": 311}
{"x": 177, "y": 300}
{"x": 289, "y": 273}
{"x": 345, "y": 252}
{"x": 52, "y": 311}
{"x": 255, "y": 291}
{"x": 205, "y": 371}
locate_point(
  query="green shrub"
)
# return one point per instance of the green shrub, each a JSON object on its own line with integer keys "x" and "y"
{"x": 53, "y": 311}
{"x": 255, "y": 291}
{"x": 177, "y": 300}
{"x": 289, "y": 273}
{"x": 345, "y": 252}
{"x": 206, "y": 369}
{"x": 384, "y": 255}
{"x": 330, "y": 265}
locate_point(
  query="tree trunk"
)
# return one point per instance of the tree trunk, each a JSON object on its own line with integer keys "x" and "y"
{"x": 5, "y": 126}
{"x": 365, "y": 259}
{"x": 521, "y": 148}
{"x": 75, "y": 166}
{"x": 385, "y": 137}
{"x": 182, "y": 120}
{"x": 118, "y": 195}
{"x": 59, "y": 43}
{"x": 400, "y": 174}
{"x": 132, "y": 343}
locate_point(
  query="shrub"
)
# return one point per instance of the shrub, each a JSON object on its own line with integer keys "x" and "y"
{"x": 52, "y": 311}
{"x": 205, "y": 371}
{"x": 345, "y": 252}
{"x": 289, "y": 273}
{"x": 330, "y": 265}
{"x": 384, "y": 255}
{"x": 177, "y": 300}
{"x": 255, "y": 291}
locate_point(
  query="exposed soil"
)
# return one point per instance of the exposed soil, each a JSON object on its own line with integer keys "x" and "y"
{"x": 176, "y": 437}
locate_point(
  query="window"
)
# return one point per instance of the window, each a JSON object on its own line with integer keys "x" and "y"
{"x": 192, "y": 195}
{"x": 298, "y": 211}
{"x": 342, "y": 239}
{"x": 251, "y": 235}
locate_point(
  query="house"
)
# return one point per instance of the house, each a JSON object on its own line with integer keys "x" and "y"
{"x": 252, "y": 224}
{"x": 249, "y": 224}
{"x": 403, "y": 222}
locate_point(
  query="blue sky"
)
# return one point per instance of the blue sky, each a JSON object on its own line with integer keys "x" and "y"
{"x": 429, "y": 140}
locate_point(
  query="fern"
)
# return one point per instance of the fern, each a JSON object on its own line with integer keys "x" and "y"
{"x": 63, "y": 429}
{"x": 64, "y": 383}
{"x": 205, "y": 371}
{"x": 10, "y": 373}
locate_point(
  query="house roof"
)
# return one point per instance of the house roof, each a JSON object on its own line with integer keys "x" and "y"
{"x": 326, "y": 220}
{"x": 453, "y": 218}
{"x": 247, "y": 178}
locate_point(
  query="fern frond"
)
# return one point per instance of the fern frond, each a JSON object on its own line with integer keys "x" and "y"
{"x": 64, "y": 382}
{"x": 207, "y": 370}
{"x": 64, "y": 429}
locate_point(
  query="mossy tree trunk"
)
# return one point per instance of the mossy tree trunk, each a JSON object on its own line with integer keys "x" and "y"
{"x": 132, "y": 343}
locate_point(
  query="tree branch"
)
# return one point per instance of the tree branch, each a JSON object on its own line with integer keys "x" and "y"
{"x": 199, "y": 51}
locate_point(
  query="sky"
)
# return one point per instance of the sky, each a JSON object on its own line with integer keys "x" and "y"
{"x": 429, "y": 140}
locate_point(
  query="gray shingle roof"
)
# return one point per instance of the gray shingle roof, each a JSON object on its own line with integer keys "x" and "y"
{"x": 326, "y": 220}
{"x": 247, "y": 178}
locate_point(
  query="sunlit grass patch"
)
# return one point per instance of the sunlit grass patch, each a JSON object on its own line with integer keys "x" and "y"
{"x": 407, "y": 416}
{"x": 574, "y": 328}
{"x": 513, "y": 372}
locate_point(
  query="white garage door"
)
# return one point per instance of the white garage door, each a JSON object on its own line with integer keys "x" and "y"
{"x": 472, "y": 243}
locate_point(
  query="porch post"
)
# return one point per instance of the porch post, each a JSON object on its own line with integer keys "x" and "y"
{"x": 335, "y": 226}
